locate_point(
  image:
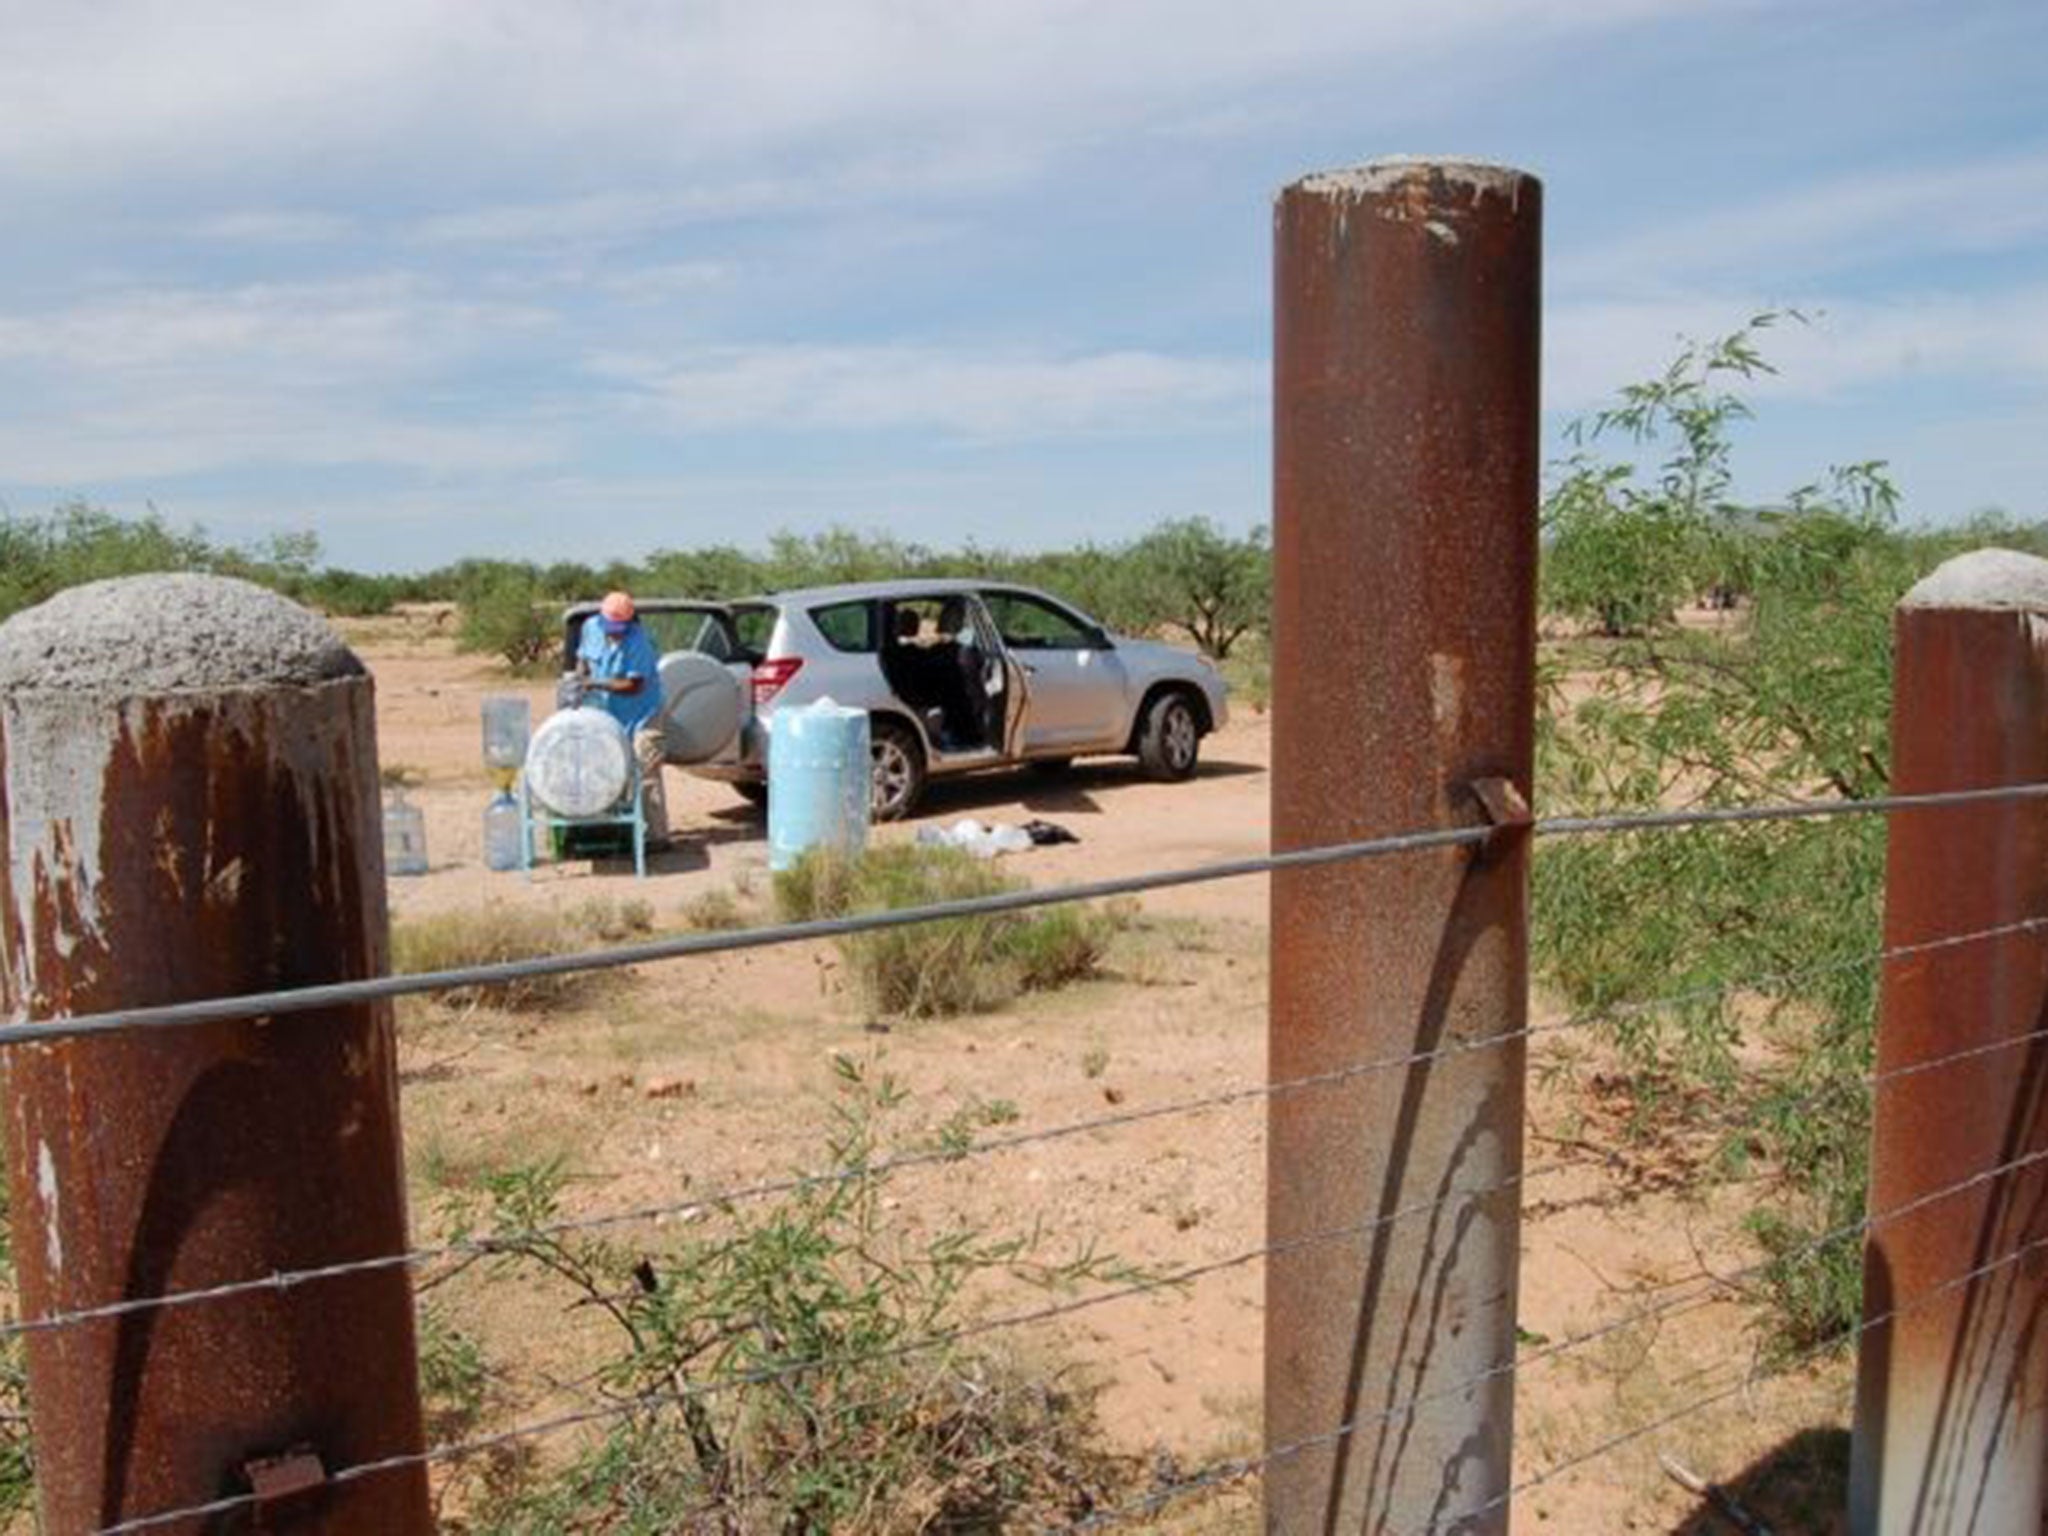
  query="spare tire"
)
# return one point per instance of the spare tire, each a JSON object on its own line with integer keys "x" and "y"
{"x": 700, "y": 706}
{"x": 579, "y": 763}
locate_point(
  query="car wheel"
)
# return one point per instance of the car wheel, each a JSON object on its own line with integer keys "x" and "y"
{"x": 1171, "y": 738}
{"x": 898, "y": 759}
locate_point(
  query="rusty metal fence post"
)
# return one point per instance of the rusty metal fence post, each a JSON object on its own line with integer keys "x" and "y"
{"x": 188, "y": 796}
{"x": 1952, "y": 1380}
{"x": 1406, "y": 461}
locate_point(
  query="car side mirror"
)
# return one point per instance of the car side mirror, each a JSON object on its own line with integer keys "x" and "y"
{"x": 1098, "y": 639}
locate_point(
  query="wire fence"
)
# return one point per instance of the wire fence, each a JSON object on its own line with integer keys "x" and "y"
{"x": 1711, "y": 1289}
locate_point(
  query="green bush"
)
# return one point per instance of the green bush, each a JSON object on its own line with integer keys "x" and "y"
{"x": 506, "y": 617}
{"x": 797, "y": 1365}
{"x": 952, "y": 965}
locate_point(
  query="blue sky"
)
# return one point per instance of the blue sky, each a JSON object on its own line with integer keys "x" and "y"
{"x": 534, "y": 278}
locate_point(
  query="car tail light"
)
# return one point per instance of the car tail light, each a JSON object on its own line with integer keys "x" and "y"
{"x": 770, "y": 677}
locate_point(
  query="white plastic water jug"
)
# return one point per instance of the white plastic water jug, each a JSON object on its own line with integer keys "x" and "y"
{"x": 405, "y": 837}
{"x": 502, "y": 833}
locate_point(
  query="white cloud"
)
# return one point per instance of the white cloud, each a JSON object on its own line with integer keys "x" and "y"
{"x": 972, "y": 394}
{"x": 316, "y": 333}
{"x": 1989, "y": 337}
{"x": 162, "y": 382}
{"x": 539, "y": 92}
{"x": 1996, "y": 203}
{"x": 274, "y": 226}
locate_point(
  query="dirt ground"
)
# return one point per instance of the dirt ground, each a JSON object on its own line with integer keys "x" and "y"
{"x": 702, "y": 1073}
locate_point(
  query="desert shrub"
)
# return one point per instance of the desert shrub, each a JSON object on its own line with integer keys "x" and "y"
{"x": 1249, "y": 672}
{"x": 819, "y": 884}
{"x": 715, "y": 912}
{"x": 1057, "y": 946}
{"x": 493, "y": 934}
{"x": 455, "y": 1379}
{"x": 1768, "y": 927}
{"x": 952, "y": 965}
{"x": 506, "y": 617}
{"x": 800, "y": 1369}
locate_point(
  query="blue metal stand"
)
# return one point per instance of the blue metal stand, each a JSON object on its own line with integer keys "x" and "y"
{"x": 534, "y": 820}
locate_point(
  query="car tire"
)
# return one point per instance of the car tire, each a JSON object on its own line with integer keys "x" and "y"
{"x": 898, "y": 759}
{"x": 1170, "y": 740}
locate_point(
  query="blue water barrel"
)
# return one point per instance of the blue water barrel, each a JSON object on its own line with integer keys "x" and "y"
{"x": 818, "y": 778}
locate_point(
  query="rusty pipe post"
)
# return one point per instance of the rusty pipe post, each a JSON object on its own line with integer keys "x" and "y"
{"x": 1952, "y": 1375}
{"x": 1406, "y": 461}
{"x": 188, "y": 791}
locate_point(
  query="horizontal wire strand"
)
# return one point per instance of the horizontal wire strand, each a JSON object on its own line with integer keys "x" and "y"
{"x": 500, "y": 1243}
{"x": 1747, "y": 1380}
{"x": 382, "y": 988}
{"x": 1220, "y": 1474}
{"x": 1040, "y": 1315}
{"x": 924, "y": 1344}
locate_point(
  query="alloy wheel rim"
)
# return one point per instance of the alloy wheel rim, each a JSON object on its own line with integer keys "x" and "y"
{"x": 891, "y": 774}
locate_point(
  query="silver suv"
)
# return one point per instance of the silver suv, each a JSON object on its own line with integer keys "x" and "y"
{"x": 955, "y": 675}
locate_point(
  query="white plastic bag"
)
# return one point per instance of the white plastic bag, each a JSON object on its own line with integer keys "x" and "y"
{"x": 984, "y": 842}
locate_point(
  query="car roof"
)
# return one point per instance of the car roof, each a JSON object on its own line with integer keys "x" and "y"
{"x": 818, "y": 597}
{"x": 868, "y": 591}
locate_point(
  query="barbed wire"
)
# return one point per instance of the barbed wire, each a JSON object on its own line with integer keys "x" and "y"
{"x": 1746, "y": 1382}
{"x": 926, "y": 1343}
{"x": 383, "y": 988}
{"x": 1234, "y": 1469}
{"x": 1053, "y": 1311}
{"x": 502, "y": 1242}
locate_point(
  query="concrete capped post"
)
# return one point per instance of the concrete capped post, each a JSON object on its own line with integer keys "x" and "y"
{"x": 1406, "y": 461}
{"x": 188, "y": 798}
{"x": 1952, "y": 1378}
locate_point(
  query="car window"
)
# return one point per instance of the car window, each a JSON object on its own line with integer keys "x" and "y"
{"x": 932, "y": 621}
{"x": 670, "y": 629}
{"x": 755, "y": 626}
{"x": 848, "y": 626}
{"x": 1031, "y": 624}
{"x": 684, "y": 630}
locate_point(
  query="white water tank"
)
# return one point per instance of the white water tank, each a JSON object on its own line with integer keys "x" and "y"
{"x": 579, "y": 764}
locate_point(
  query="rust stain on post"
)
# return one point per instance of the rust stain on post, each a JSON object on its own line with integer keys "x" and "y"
{"x": 1406, "y": 460}
{"x": 1952, "y": 1379}
{"x": 188, "y": 788}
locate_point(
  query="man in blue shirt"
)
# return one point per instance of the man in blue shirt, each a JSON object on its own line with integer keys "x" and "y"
{"x": 617, "y": 661}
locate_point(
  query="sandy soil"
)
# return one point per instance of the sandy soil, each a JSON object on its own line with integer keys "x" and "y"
{"x": 700, "y": 1074}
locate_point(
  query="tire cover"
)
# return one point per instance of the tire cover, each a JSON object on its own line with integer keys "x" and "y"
{"x": 580, "y": 763}
{"x": 700, "y": 706}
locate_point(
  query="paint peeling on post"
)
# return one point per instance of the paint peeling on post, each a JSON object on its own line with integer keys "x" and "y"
{"x": 188, "y": 793}
{"x": 1406, "y": 458}
{"x": 1952, "y": 1376}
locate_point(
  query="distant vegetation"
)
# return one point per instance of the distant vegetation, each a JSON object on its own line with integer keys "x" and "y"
{"x": 1188, "y": 575}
